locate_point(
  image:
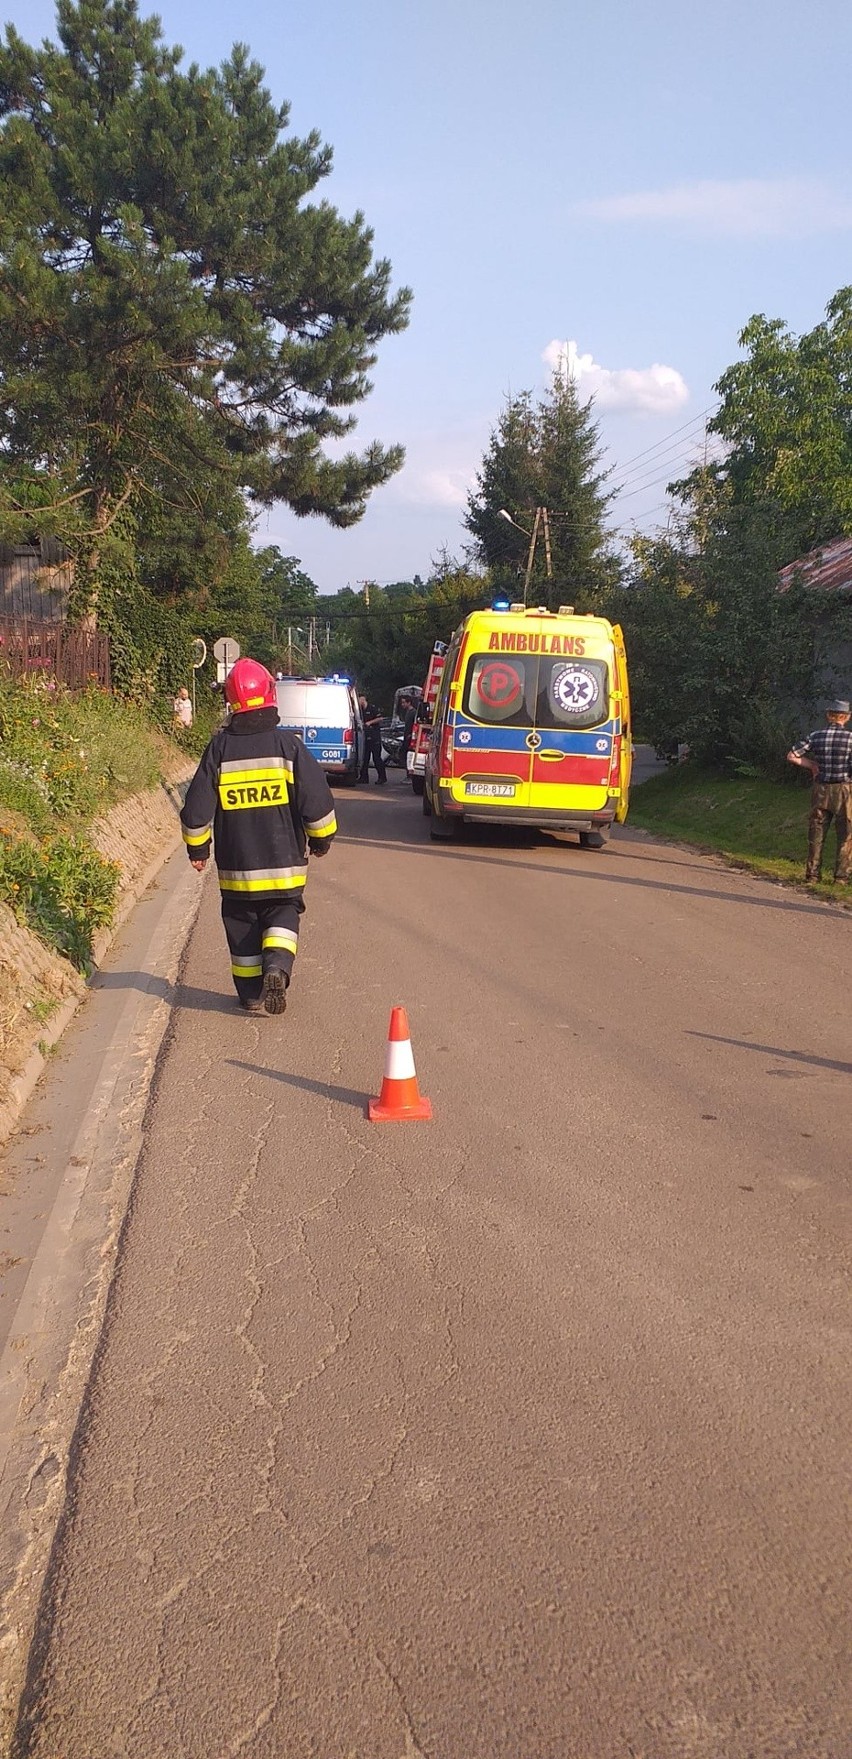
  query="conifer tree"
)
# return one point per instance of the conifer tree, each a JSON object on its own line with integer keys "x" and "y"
{"x": 545, "y": 454}
{"x": 180, "y": 322}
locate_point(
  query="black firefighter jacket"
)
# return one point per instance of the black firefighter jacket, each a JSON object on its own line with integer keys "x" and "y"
{"x": 264, "y": 797}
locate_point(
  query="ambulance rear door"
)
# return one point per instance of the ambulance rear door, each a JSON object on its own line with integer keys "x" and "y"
{"x": 623, "y": 703}
{"x": 494, "y": 732}
{"x": 573, "y": 735}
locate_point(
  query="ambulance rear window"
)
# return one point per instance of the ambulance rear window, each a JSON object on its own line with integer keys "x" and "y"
{"x": 572, "y": 693}
{"x": 500, "y": 689}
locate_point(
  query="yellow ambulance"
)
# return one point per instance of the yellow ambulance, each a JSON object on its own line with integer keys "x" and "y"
{"x": 532, "y": 724}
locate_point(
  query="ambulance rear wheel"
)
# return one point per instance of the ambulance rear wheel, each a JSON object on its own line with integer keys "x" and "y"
{"x": 418, "y": 784}
{"x": 595, "y": 839}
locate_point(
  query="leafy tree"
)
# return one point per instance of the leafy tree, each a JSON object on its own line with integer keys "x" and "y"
{"x": 545, "y": 454}
{"x": 724, "y": 660}
{"x": 786, "y": 420}
{"x": 261, "y": 593}
{"x": 178, "y": 319}
{"x": 389, "y": 643}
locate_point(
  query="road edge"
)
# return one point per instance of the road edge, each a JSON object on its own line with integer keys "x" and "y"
{"x": 46, "y": 1367}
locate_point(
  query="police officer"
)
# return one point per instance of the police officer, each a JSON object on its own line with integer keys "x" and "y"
{"x": 373, "y": 742}
{"x": 827, "y": 753}
{"x": 409, "y": 707}
{"x": 266, "y": 801}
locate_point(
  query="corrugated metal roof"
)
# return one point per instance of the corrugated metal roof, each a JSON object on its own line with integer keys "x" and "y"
{"x": 828, "y": 569}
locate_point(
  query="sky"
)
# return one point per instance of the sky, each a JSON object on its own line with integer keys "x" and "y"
{"x": 615, "y": 186}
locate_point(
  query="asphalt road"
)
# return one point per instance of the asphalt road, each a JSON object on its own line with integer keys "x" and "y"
{"x": 523, "y": 1434}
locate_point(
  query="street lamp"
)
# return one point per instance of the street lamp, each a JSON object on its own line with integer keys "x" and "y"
{"x": 502, "y": 514}
{"x": 541, "y": 520}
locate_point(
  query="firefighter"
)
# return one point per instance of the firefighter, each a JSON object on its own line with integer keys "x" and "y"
{"x": 266, "y": 801}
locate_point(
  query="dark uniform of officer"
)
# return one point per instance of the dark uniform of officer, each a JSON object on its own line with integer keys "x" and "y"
{"x": 827, "y": 753}
{"x": 266, "y": 801}
{"x": 373, "y": 742}
{"x": 409, "y": 721}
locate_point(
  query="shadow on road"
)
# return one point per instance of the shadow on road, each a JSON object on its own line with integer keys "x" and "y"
{"x": 505, "y": 838}
{"x": 346, "y": 1095}
{"x": 181, "y": 995}
{"x": 772, "y": 1050}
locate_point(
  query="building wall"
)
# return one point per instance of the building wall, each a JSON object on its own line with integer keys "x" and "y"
{"x": 31, "y": 586}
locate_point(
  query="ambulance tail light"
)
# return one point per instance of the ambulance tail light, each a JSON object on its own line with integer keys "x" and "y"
{"x": 615, "y": 766}
{"x": 348, "y": 736}
{"x": 445, "y": 760}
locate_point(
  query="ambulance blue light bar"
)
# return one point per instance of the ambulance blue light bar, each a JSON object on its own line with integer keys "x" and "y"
{"x": 500, "y": 604}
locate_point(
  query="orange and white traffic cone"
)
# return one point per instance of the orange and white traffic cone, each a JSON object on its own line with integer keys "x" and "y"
{"x": 400, "y": 1096}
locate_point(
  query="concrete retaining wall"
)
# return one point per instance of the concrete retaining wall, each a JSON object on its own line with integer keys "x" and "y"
{"x": 39, "y": 991}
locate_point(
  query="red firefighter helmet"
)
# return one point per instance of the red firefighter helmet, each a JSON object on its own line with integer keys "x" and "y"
{"x": 249, "y": 685}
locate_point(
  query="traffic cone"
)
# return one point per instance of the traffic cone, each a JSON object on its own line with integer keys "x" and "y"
{"x": 400, "y": 1096}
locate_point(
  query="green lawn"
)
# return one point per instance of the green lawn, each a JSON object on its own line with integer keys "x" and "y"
{"x": 751, "y": 822}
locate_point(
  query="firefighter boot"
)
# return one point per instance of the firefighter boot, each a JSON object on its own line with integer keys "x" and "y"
{"x": 275, "y": 992}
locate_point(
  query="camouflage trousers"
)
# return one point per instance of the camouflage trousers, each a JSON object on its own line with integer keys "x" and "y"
{"x": 830, "y": 800}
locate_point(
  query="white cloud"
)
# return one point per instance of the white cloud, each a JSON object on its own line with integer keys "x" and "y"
{"x": 746, "y": 207}
{"x": 651, "y": 390}
{"x": 432, "y": 488}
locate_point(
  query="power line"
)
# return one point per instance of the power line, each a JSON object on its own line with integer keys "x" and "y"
{"x": 676, "y": 457}
{"x": 693, "y": 422}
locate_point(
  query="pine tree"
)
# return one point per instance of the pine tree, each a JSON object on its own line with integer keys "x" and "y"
{"x": 545, "y": 454}
{"x": 179, "y": 322}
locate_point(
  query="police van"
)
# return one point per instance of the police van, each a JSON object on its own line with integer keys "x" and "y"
{"x": 326, "y": 715}
{"x": 532, "y": 724}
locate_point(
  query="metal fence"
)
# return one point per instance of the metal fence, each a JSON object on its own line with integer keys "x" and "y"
{"x": 73, "y": 657}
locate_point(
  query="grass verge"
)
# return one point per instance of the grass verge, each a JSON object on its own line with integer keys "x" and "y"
{"x": 751, "y": 822}
{"x": 64, "y": 760}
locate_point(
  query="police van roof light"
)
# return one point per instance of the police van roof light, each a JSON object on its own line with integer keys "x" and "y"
{"x": 336, "y": 678}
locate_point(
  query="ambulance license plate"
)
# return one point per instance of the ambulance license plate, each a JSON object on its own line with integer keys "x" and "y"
{"x": 491, "y": 790}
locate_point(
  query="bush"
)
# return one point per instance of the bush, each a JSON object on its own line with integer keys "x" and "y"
{"x": 70, "y": 757}
{"x": 62, "y": 889}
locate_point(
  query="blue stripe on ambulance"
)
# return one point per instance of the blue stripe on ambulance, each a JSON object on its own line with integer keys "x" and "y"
{"x": 468, "y": 736}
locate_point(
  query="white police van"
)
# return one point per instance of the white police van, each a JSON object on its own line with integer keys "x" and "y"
{"x": 326, "y": 715}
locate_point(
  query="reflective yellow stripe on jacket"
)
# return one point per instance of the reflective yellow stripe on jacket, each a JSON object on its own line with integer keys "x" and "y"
{"x": 321, "y": 827}
{"x": 258, "y": 879}
{"x": 194, "y": 839}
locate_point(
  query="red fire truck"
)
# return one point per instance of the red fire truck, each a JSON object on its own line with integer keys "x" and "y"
{"x": 415, "y": 762}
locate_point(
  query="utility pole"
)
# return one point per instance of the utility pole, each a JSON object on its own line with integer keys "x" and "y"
{"x": 547, "y": 555}
{"x": 531, "y": 554}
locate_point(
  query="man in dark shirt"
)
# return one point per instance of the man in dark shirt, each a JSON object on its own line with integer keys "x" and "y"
{"x": 373, "y": 742}
{"x": 827, "y": 753}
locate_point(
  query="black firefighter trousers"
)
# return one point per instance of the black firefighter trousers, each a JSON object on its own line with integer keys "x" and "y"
{"x": 261, "y": 937}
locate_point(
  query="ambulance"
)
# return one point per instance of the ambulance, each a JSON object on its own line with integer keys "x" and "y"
{"x": 532, "y": 725}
